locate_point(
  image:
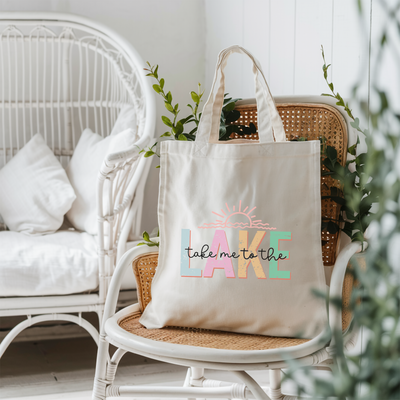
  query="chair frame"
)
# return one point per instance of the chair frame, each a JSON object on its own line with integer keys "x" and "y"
{"x": 199, "y": 358}
{"x": 89, "y": 79}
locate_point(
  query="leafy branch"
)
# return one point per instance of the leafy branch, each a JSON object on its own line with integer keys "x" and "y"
{"x": 148, "y": 241}
{"x": 176, "y": 126}
{"x": 357, "y": 197}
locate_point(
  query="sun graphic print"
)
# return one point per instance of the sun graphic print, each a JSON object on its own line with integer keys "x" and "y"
{"x": 236, "y": 218}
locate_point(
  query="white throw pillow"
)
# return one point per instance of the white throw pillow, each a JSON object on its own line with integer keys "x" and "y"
{"x": 35, "y": 191}
{"x": 126, "y": 120}
{"x": 83, "y": 171}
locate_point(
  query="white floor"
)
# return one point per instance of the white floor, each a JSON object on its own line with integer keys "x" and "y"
{"x": 64, "y": 369}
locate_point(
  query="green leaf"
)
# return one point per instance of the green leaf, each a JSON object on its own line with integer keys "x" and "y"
{"x": 384, "y": 100}
{"x": 167, "y": 121}
{"x": 166, "y": 134}
{"x": 229, "y": 107}
{"x": 331, "y": 153}
{"x": 232, "y": 128}
{"x": 330, "y": 86}
{"x": 361, "y": 159}
{"x": 186, "y": 120}
{"x": 222, "y": 132}
{"x": 169, "y": 97}
{"x": 157, "y": 88}
{"x": 339, "y": 200}
{"x": 232, "y": 116}
{"x": 182, "y": 137}
{"x": 352, "y": 150}
{"x": 156, "y": 72}
{"x": 355, "y": 124}
{"x": 332, "y": 227}
{"x": 327, "y": 94}
{"x": 195, "y": 97}
{"x": 178, "y": 129}
{"x": 189, "y": 136}
{"x": 176, "y": 107}
{"x": 169, "y": 107}
{"x": 252, "y": 128}
{"x": 158, "y": 166}
{"x": 149, "y": 153}
{"x": 146, "y": 236}
{"x": 162, "y": 81}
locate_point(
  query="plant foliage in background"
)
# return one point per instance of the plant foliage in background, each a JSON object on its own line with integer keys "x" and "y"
{"x": 358, "y": 196}
{"x": 373, "y": 373}
{"x": 177, "y": 126}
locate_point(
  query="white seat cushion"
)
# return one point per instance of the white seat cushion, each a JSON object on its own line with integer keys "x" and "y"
{"x": 64, "y": 262}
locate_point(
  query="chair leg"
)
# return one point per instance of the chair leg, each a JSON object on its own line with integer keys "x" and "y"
{"x": 275, "y": 378}
{"x": 100, "y": 380}
{"x": 194, "y": 373}
{"x": 252, "y": 385}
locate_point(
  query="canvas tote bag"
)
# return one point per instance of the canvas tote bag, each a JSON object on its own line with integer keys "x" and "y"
{"x": 240, "y": 239}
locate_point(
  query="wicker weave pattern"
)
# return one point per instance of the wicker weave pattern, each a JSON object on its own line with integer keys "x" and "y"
{"x": 144, "y": 268}
{"x": 207, "y": 338}
{"x": 348, "y": 285}
{"x": 310, "y": 121}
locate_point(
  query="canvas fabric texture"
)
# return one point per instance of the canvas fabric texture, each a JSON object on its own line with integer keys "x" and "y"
{"x": 240, "y": 246}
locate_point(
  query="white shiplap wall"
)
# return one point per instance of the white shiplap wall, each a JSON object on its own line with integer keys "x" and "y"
{"x": 286, "y": 37}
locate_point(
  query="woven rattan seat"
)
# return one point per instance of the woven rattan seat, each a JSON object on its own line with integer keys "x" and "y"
{"x": 144, "y": 268}
{"x": 206, "y": 338}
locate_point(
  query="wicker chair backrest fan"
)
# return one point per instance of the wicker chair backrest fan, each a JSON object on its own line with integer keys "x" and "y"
{"x": 58, "y": 78}
{"x": 311, "y": 121}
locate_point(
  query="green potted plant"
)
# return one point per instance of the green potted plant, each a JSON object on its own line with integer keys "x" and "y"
{"x": 374, "y": 372}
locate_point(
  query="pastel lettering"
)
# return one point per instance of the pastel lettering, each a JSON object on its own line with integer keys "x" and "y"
{"x": 249, "y": 255}
{"x": 185, "y": 256}
{"x": 219, "y": 246}
{"x": 274, "y": 272}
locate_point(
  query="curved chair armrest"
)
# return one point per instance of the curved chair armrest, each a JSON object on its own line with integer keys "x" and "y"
{"x": 114, "y": 158}
{"x": 116, "y": 281}
{"x": 336, "y": 287}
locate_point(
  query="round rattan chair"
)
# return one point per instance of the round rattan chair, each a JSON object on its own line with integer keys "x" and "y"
{"x": 200, "y": 348}
{"x": 60, "y": 74}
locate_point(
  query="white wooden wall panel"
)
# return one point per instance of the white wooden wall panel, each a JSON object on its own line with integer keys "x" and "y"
{"x": 224, "y": 28}
{"x": 256, "y": 38}
{"x": 282, "y": 47}
{"x": 350, "y": 46}
{"x": 313, "y": 29}
{"x": 388, "y": 76}
{"x": 286, "y": 36}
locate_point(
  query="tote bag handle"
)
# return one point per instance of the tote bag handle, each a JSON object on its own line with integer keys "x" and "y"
{"x": 268, "y": 117}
